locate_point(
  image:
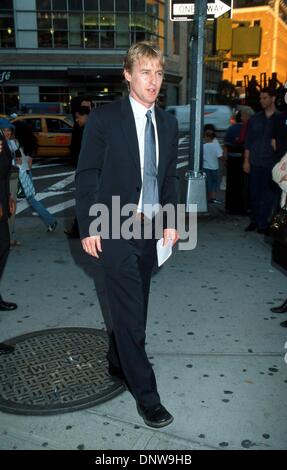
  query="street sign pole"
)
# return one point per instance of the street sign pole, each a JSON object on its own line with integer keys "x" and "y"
{"x": 196, "y": 188}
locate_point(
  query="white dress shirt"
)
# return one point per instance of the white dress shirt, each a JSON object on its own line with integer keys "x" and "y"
{"x": 139, "y": 112}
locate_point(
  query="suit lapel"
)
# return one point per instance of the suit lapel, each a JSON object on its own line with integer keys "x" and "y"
{"x": 129, "y": 128}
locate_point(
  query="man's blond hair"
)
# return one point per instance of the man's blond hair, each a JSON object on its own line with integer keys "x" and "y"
{"x": 143, "y": 50}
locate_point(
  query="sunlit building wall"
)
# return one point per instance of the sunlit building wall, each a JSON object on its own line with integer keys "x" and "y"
{"x": 272, "y": 17}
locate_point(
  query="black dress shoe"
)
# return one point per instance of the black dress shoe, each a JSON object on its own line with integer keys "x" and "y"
{"x": 284, "y": 324}
{"x": 155, "y": 416}
{"x": 281, "y": 309}
{"x": 6, "y": 348}
{"x": 7, "y": 305}
{"x": 251, "y": 227}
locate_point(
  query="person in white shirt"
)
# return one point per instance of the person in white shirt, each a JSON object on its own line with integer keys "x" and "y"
{"x": 212, "y": 152}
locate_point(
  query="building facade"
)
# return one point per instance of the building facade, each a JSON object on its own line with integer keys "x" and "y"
{"x": 271, "y": 15}
{"x": 52, "y": 50}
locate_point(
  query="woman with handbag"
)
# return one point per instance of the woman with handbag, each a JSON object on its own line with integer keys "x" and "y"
{"x": 279, "y": 228}
{"x": 24, "y": 164}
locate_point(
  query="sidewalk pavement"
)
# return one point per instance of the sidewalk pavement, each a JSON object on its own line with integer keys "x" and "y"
{"x": 218, "y": 351}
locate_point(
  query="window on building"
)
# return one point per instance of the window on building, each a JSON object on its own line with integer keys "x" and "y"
{"x": 100, "y": 23}
{"x": 122, "y": 5}
{"x": 7, "y": 30}
{"x": 225, "y": 65}
{"x": 240, "y": 65}
{"x": 250, "y": 3}
{"x": 75, "y": 5}
{"x": 138, "y": 5}
{"x": 254, "y": 63}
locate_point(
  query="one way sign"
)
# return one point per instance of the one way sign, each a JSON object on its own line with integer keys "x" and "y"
{"x": 180, "y": 11}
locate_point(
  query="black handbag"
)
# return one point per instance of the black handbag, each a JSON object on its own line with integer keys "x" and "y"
{"x": 278, "y": 225}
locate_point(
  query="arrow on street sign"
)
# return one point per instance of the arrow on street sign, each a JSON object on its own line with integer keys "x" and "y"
{"x": 185, "y": 11}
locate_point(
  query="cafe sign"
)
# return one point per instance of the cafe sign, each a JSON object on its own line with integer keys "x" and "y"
{"x": 5, "y": 76}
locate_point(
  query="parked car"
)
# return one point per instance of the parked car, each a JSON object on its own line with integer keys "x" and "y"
{"x": 53, "y": 133}
{"x": 217, "y": 115}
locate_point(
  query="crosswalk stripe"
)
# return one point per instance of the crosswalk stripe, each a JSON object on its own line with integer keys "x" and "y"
{"x": 54, "y": 175}
{"x": 50, "y": 165}
{"x": 61, "y": 184}
{"x": 23, "y": 204}
{"x": 62, "y": 206}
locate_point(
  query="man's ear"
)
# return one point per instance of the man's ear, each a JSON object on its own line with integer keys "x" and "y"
{"x": 127, "y": 75}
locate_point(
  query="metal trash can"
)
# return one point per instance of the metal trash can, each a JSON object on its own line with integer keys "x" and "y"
{"x": 196, "y": 190}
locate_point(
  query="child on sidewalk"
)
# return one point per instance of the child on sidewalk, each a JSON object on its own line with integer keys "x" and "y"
{"x": 212, "y": 151}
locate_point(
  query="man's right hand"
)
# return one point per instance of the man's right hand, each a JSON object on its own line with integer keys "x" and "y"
{"x": 92, "y": 245}
{"x": 246, "y": 166}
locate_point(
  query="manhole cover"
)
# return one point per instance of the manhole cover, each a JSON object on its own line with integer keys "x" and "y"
{"x": 56, "y": 371}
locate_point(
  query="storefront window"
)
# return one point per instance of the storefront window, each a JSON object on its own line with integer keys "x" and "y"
{"x": 52, "y": 94}
{"x": 9, "y": 99}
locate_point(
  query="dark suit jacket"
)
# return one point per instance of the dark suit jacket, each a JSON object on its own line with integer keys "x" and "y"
{"x": 109, "y": 162}
{"x": 5, "y": 170}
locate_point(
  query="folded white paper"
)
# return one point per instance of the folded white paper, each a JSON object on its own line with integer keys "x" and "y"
{"x": 163, "y": 252}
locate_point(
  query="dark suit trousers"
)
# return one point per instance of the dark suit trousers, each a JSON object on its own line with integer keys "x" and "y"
{"x": 128, "y": 265}
{"x": 4, "y": 244}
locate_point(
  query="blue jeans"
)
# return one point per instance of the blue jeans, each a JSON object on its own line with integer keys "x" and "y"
{"x": 38, "y": 207}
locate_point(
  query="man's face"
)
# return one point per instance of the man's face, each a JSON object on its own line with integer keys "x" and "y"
{"x": 266, "y": 100}
{"x": 145, "y": 81}
{"x": 81, "y": 119}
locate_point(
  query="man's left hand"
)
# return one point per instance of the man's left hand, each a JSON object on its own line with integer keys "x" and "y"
{"x": 170, "y": 234}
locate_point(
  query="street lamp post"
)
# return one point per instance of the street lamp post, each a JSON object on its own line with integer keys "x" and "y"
{"x": 196, "y": 186}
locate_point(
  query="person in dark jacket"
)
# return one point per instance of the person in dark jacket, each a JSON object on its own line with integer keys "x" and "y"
{"x": 259, "y": 159}
{"x": 7, "y": 206}
{"x": 80, "y": 107}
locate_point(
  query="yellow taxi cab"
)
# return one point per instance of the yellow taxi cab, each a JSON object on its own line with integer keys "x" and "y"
{"x": 53, "y": 133}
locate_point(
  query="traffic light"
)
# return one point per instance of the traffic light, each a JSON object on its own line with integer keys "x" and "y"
{"x": 223, "y": 34}
{"x": 242, "y": 41}
{"x": 246, "y": 41}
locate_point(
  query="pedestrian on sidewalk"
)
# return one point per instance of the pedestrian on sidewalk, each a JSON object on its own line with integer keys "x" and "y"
{"x": 81, "y": 118}
{"x": 279, "y": 251}
{"x": 259, "y": 159}
{"x": 24, "y": 164}
{"x": 236, "y": 196}
{"x": 129, "y": 150}
{"x": 7, "y": 207}
{"x": 212, "y": 152}
{"x": 8, "y": 129}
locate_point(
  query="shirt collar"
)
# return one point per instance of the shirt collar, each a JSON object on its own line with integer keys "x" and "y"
{"x": 139, "y": 109}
